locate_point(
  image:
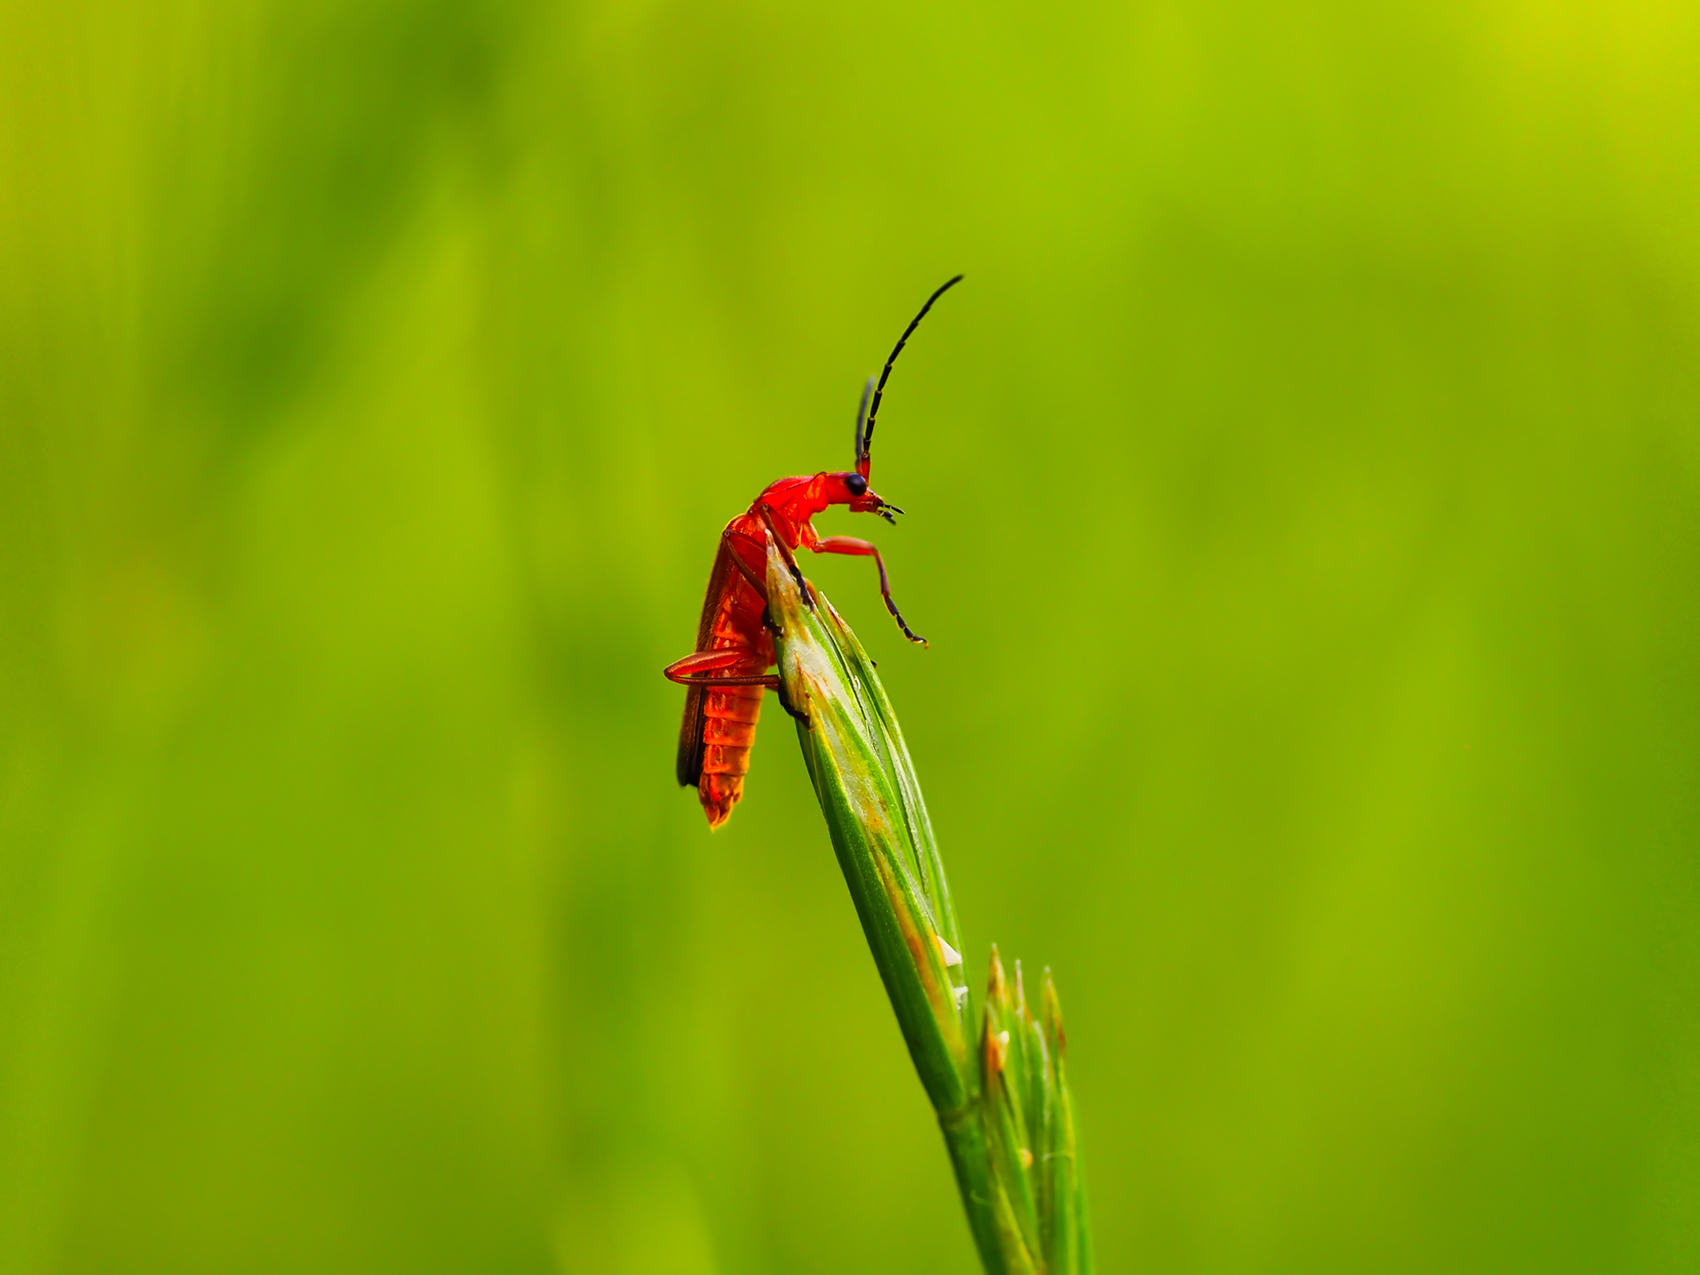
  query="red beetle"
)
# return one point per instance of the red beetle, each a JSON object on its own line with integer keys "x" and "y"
{"x": 727, "y": 673}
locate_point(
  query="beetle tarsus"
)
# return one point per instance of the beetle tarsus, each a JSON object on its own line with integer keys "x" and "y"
{"x": 796, "y": 713}
{"x": 898, "y": 616}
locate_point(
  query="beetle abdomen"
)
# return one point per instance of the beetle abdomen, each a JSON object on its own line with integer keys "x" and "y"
{"x": 729, "y": 732}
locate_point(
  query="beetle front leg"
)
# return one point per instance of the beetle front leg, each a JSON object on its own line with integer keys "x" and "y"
{"x": 862, "y": 549}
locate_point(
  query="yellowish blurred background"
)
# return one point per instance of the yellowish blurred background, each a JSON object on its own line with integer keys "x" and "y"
{"x": 1304, "y": 508}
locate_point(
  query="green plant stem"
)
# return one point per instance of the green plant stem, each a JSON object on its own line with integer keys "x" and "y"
{"x": 999, "y": 1090}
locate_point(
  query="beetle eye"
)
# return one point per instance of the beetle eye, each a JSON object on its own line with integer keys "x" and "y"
{"x": 857, "y": 485}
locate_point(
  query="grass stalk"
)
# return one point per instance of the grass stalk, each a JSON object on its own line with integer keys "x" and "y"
{"x": 994, "y": 1072}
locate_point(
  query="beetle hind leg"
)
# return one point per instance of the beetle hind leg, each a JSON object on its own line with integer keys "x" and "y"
{"x": 700, "y": 669}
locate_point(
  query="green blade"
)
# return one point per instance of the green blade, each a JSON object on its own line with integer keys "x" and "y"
{"x": 999, "y": 1089}
{"x": 872, "y": 802}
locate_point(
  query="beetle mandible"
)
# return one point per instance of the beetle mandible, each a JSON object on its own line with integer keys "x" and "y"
{"x": 727, "y": 673}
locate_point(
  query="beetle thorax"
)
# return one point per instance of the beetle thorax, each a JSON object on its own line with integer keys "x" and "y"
{"x": 795, "y": 502}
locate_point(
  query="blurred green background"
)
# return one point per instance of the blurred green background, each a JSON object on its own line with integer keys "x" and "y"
{"x": 1304, "y": 501}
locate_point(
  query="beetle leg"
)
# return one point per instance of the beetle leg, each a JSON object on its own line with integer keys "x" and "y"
{"x": 767, "y": 516}
{"x": 699, "y": 669}
{"x": 769, "y": 680}
{"x": 754, "y": 581}
{"x": 862, "y": 549}
{"x": 759, "y": 585}
{"x": 795, "y": 712}
{"x": 704, "y": 662}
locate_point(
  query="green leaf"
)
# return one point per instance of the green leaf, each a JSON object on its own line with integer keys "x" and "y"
{"x": 999, "y": 1090}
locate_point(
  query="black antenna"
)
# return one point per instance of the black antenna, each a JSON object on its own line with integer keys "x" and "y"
{"x": 866, "y": 436}
{"x": 862, "y": 414}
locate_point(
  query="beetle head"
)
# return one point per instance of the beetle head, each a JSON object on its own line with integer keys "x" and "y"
{"x": 851, "y": 488}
